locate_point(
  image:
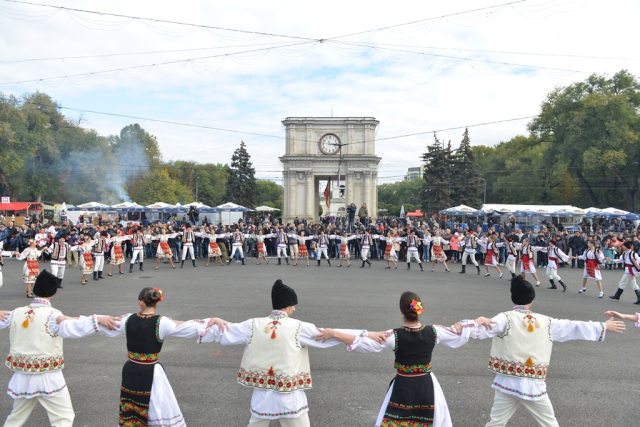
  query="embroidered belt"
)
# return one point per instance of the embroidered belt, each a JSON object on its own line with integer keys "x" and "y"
{"x": 143, "y": 358}
{"x": 279, "y": 383}
{"x": 518, "y": 369}
{"x": 408, "y": 370}
{"x": 34, "y": 364}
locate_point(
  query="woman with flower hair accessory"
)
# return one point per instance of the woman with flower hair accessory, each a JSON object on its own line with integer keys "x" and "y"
{"x": 31, "y": 268}
{"x": 146, "y": 397}
{"x": 414, "y": 397}
{"x": 164, "y": 251}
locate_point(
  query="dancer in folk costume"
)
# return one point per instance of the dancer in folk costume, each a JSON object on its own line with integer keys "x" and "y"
{"x": 164, "y": 250}
{"x": 553, "y": 254}
{"x": 593, "y": 257}
{"x": 275, "y": 362}
{"x": 99, "y": 249}
{"x": 117, "y": 256}
{"x": 323, "y": 244}
{"x": 31, "y": 268}
{"x": 512, "y": 256}
{"x": 470, "y": 242}
{"x": 412, "y": 249}
{"x": 631, "y": 262}
{"x": 139, "y": 241}
{"x": 282, "y": 241}
{"x": 528, "y": 265}
{"x": 36, "y": 356}
{"x": 414, "y": 397}
{"x": 302, "y": 246}
{"x": 521, "y": 352}
{"x": 437, "y": 254}
{"x": 59, "y": 251}
{"x": 389, "y": 251}
{"x": 262, "y": 248}
{"x": 86, "y": 261}
{"x": 493, "y": 253}
{"x": 366, "y": 241}
{"x": 188, "y": 240}
{"x": 237, "y": 239}
{"x": 344, "y": 249}
{"x": 213, "y": 250}
{"x": 146, "y": 397}
{"x": 3, "y": 254}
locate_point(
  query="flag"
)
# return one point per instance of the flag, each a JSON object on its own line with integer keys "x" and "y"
{"x": 327, "y": 193}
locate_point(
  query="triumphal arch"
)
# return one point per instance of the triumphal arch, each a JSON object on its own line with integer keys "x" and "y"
{"x": 316, "y": 149}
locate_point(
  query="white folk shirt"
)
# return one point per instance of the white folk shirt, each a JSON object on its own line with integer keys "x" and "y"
{"x": 628, "y": 259}
{"x": 270, "y": 404}
{"x": 561, "y": 331}
{"x": 554, "y": 254}
{"x": 322, "y": 241}
{"x": 28, "y": 386}
{"x": 412, "y": 243}
{"x": 468, "y": 244}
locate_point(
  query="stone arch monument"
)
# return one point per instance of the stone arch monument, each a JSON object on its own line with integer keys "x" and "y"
{"x": 316, "y": 147}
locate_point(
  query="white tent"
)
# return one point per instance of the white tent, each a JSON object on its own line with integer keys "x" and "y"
{"x": 615, "y": 211}
{"x": 545, "y": 209}
{"x": 196, "y": 204}
{"x": 266, "y": 209}
{"x": 231, "y": 213}
{"x": 92, "y": 205}
{"x": 125, "y": 205}
{"x": 159, "y": 205}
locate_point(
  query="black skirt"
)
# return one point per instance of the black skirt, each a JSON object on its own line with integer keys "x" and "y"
{"x": 135, "y": 393}
{"x": 411, "y": 402}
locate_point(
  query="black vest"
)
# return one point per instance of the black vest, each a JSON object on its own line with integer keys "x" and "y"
{"x": 143, "y": 341}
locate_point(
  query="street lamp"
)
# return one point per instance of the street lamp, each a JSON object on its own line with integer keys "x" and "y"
{"x": 485, "y": 191}
{"x": 197, "y": 178}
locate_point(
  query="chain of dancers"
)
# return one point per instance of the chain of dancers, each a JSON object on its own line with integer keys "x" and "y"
{"x": 275, "y": 362}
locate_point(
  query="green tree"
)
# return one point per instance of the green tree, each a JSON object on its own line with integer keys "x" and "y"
{"x": 438, "y": 166}
{"x": 241, "y": 183}
{"x": 593, "y": 127}
{"x": 268, "y": 193}
{"x": 157, "y": 185}
{"x": 392, "y": 196}
{"x": 466, "y": 173}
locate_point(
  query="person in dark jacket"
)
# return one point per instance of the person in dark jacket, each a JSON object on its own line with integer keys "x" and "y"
{"x": 351, "y": 212}
{"x": 577, "y": 246}
{"x": 562, "y": 245}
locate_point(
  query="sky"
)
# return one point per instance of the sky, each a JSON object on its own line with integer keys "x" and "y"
{"x": 245, "y": 66}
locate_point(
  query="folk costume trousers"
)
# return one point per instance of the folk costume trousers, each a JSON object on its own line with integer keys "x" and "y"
{"x": 58, "y": 407}
{"x": 466, "y": 255}
{"x": 98, "y": 263}
{"x": 138, "y": 251}
{"x": 301, "y": 421}
{"x": 505, "y": 405}
{"x": 628, "y": 279}
{"x": 511, "y": 264}
{"x": 57, "y": 270}
{"x": 552, "y": 274}
{"x": 322, "y": 251}
{"x": 414, "y": 255}
{"x": 282, "y": 251}
{"x": 186, "y": 249}
{"x": 364, "y": 253}
{"x": 239, "y": 249}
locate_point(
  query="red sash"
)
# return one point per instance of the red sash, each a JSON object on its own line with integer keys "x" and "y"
{"x": 117, "y": 253}
{"x": 261, "y": 248}
{"x": 302, "y": 249}
{"x": 552, "y": 259}
{"x": 33, "y": 269}
{"x": 591, "y": 267}
{"x": 88, "y": 261}
{"x": 526, "y": 262}
{"x": 165, "y": 248}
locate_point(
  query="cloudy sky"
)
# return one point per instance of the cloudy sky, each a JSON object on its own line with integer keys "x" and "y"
{"x": 311, "y": 59}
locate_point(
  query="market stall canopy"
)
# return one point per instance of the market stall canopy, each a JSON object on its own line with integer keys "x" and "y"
{"x": 159, "y": 205}
{"x": 417, "y": 213}
{"x": 127, "y": 205}
{"x": 460, "y": 210}
{"x": 232, "y": 207}
{"x": 266, "y": 209}
{"x": 91, "y": 206}
{"x": 196, "y": 204}
{"x": 529, "y": 210}
{"x": 21, "y": 206}
{"x": 615, "y": 212}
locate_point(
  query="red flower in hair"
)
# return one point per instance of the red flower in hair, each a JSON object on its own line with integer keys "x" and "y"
{"x": 161, "y": 294}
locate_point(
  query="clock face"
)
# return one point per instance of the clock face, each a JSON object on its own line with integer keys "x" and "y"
{"x": 329, "y": 144}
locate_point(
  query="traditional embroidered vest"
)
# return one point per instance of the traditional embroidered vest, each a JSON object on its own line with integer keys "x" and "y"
{"x": 99, "y": 247}
{"x": 411, "y": 242}
{"x": 274, "y": 359}
{"x": 139, "y": 240}
{"x": 55, "y": 255}
{"x": 143, "y": 342}
{"x": 631, "y": 263}
{"x": 34, "y": 349}
{"x": 413, "y": 349}
{"x": 470, "y": 242}
{"x": 191, "y": 236}
{"x": 366, "y": 240}
{"x": 322, "y": 240}
{"x": 524, "y": 350}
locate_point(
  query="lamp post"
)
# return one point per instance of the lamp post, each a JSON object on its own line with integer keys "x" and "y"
{"x": 197, "y": 178}
{"x": 484, "y": 202}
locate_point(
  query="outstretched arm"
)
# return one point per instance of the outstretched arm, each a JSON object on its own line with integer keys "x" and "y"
{"x": 5, "y": 319}
{"x": 630, "y": 317}
{"x": 78, "y": 327}
{"x": 230, "y": 334}
{"x": 567, "y": 330}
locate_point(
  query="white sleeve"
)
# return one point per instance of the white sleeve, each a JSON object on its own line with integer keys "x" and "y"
{"x": 367, "y": 345}
{"x": 308, "y": 330}
{"x": 23, "y": 255}
{"x": 238, "y": 333}
{"x": 74, "y": 328}
{"x": 5, "y": 323}
{"x": 481, "y": 243}
{"x": 562, "y": 255}
{"x": 447, "y": 337}
{"x": 120, "y": 329}
{"x": 567, "y": 330}
{"x": 74, "y": 249}
{"x": 169, "y": 327}
{"x": 498, "y": 328}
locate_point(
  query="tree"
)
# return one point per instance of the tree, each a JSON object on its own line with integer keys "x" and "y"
{"x": 467, "y": 176}
{"x": 593, "y": 127}
{"x": 241, "y": 182}
{"x": 157, "y": 185}
{"x": 392, "y": 196}
{"x": 268, "y": 193}
{"x": 436, "y": 194}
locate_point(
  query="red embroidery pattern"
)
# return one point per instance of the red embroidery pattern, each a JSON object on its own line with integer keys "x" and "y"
{"x": 283, "y": 384}
{"x": 34, "y": 364}
{"x": 518, "y": 369}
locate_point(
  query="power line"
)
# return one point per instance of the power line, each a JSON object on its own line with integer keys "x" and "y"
{"x": 161, "y": 21}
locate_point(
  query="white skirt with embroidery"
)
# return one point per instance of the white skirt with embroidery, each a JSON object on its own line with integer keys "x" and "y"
{"x": 163, "y": 406}
{"x": 441, "y": 417}
{"x": 271, "y": 405}
{"x": 28, "y": 386}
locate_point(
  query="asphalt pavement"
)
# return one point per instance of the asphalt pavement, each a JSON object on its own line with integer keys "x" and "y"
{"x": 589, "y": 383}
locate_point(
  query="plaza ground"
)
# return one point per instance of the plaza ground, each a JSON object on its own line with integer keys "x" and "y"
{"x": 590, "y": 384}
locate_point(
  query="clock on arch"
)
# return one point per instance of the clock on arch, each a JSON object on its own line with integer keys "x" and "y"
{"x": 329, "y": 144}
